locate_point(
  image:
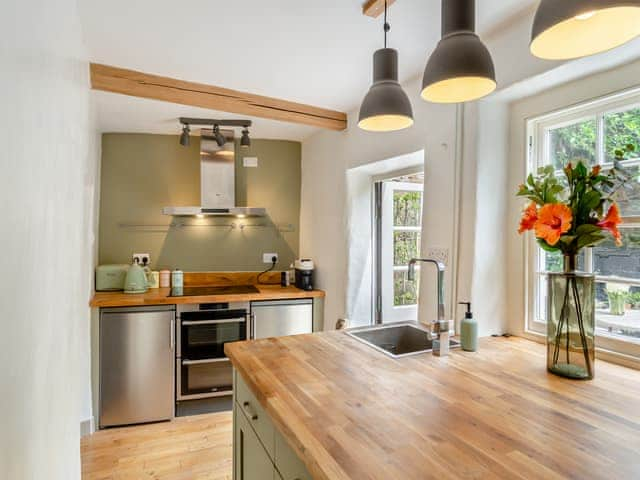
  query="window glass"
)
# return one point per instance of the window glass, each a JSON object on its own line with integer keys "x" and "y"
{"x": 406, "y": 245}
{"x": 571, "y": 142}
{"x": 621, "y": 128}
{"x": 404, "y": 291}
{"x": 613, "y": 261}
{"x": 618, "y": 310}
{"x": 629, "y": 198}
{"x": 407, "y": 208}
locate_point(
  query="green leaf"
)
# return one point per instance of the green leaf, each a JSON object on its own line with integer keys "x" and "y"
{"x": 587, "y": 229}
{"x": 590, "y": 200}
{"x": 546, "y": 247}
{"x": 590, "y": 240}
{"x": 530, "y": 180}
{"x": 567, "y": 239}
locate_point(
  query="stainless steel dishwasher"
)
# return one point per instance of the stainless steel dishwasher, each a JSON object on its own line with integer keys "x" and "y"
{"x": 278, "y": 318}
{"x": 137, "y": 361}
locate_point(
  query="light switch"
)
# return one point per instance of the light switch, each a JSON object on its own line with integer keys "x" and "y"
{"x": 251, "y": 162}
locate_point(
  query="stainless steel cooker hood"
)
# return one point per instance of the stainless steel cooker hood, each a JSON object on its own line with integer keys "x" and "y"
{"x": 217, "y": 182}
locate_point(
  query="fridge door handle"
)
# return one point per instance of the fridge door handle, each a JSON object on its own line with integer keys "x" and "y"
{"x": 204, "y": 361}
{"x": 252, "y": 325}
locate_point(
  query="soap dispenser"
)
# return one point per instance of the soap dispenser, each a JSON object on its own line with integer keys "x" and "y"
{"x": 468, "y": 331}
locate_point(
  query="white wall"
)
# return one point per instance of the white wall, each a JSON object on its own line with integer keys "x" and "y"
{"x": 327, "y": 229}
{"x": 48, "y": 171}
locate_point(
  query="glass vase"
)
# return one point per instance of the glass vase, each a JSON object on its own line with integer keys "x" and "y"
{"x": 571, "y": 322}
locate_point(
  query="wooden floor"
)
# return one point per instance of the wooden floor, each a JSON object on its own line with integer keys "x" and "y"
{"x": 188, "y": 448}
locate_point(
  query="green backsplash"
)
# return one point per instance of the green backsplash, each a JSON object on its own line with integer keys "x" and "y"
{"x": 142, "y": 173}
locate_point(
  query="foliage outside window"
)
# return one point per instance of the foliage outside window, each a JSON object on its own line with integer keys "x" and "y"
{"x": 592, "y": 134}
{"x": 407, "y": 219}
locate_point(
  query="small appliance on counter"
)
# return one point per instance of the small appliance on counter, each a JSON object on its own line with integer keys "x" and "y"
{"x": 136, "y": 280}
{"x": 304, "y": 274}
{"x": 111, "y": 278}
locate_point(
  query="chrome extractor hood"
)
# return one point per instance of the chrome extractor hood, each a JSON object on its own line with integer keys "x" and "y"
{"x": 217, "y": 182}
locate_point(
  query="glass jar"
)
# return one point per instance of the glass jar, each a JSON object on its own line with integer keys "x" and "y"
{"x": 571, "y": 323}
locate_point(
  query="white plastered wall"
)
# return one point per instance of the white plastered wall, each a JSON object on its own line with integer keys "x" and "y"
{"x": 49, "y": 167}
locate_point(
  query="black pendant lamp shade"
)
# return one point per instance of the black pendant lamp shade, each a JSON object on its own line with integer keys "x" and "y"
{"x": 568, "y": 29}
{"x": 184, "y": 136}
{"x": 386, "y": 107}
{"x": 460, "y": 69}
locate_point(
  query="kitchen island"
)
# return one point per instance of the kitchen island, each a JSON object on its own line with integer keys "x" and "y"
{"x": 345, "y": 411}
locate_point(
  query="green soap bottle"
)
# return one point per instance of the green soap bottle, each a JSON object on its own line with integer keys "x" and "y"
{"x": 468, "y": 331}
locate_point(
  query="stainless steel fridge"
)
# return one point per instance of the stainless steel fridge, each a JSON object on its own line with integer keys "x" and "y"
{"x": 137, "y": 361}
{"x": 279, "y": 318}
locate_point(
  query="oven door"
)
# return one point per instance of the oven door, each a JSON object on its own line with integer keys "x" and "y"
{"x": 203, "y": 334}
{"x": 203, "y": 378}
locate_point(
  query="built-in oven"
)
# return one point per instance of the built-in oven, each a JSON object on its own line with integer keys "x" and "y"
{"x": 202, "y": 368}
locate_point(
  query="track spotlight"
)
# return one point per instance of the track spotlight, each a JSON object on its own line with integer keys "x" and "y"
{"x": 184, "y": 136}
{"x": 220, "y": 140}
{"x": 245, "y": 140}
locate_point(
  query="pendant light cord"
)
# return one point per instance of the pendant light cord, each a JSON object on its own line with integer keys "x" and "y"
{"x": 387, "y": 27}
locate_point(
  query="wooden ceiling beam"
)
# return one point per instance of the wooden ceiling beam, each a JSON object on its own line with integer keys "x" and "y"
{"x": 375, "y": 8}
{"x": 145, "y": 85}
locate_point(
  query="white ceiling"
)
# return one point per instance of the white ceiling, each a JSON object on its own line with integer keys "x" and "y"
{"x": 300, "y": 50}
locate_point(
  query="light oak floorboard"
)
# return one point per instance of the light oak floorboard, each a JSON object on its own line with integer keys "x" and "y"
{"x": 187, "y": 448}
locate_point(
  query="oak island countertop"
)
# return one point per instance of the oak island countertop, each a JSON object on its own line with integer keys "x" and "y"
{"x": 350, "y": 412}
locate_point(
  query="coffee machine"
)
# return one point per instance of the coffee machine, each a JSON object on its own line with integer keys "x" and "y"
{"x": 304, "y": 274}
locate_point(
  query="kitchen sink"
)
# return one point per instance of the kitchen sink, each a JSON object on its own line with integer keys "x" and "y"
{"x": 397, "y": 340}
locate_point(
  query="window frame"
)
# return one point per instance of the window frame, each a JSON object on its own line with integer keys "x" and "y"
{"x": 389, "y": 312}
{"x": 536, "y": 146}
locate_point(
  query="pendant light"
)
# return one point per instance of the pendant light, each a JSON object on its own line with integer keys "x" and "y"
{"x": 568, "y": 29}
{"x": 460, "y": 69}
{"x": 386, "y": 107}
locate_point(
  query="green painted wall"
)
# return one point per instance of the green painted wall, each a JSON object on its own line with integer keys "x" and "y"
{"x": 143, "y": 173}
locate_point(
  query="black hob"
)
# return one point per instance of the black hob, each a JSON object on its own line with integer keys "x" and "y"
{"x": 212, "y": 290}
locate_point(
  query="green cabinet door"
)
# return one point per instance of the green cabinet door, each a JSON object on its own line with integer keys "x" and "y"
{"x": 251, "y": 459}
{"x": 287, "y": 462}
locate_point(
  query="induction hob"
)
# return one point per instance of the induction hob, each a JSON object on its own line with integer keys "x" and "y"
{"x": 212, "y": 290}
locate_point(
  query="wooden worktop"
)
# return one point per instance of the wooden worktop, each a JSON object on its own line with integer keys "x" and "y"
{"x": 350, "y": 412}
{"x": 160, "y": 296}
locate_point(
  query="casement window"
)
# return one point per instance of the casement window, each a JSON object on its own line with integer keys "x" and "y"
{"x": 399, "y": 221}
{"x": 592, "y": 132}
